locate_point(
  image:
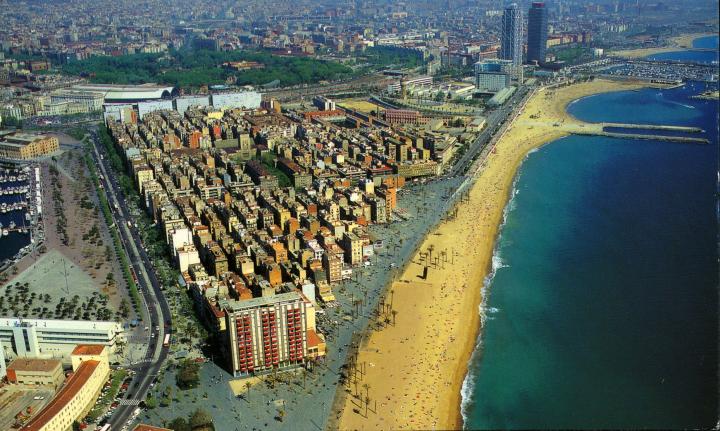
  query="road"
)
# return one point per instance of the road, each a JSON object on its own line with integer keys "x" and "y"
{"x": 157, "y": 311}
{"x": 495, "y": 121}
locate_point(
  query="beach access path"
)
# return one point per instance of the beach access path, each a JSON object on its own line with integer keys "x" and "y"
{"x": 414, "y": 368}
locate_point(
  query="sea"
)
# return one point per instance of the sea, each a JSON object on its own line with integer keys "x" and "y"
{"x": 707, "y": 42}
{"x": 602, "y": 309}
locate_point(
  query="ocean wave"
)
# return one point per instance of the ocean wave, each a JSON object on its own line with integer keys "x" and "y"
{"x": 465, "y": 394}
{"x": 468, "y": 385}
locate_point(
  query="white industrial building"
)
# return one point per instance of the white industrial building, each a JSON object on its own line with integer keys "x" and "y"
{"x": 184, "y": 103}
{"x": 243, "y": 99}
{"x": 50, "y": 338}
{"x": 130, "y": 93}
{"x": 153, "y": 105}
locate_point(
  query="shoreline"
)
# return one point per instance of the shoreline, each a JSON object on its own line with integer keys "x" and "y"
{"x": 420, "y": 351}
{"x": 677, "y": 43}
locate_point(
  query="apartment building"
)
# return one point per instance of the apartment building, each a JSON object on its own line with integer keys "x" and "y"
{"x": 268, "y": 332}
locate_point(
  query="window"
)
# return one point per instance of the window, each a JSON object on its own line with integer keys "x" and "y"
{"x": 27, "y": 341}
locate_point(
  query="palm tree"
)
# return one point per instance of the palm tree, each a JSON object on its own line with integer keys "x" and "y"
{"x": 247, "y": 388}
{"x": 394, "y": 314}
{"x": 367, "y": 401}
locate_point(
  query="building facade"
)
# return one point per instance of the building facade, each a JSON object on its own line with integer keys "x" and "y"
{"x": 267, "y": 332}
{"x": 79, "y": 393}
{"x": 23, "y": 146}
{"x": 493, "y": 75}
{"x": 55, "y": 338}
{"x": 36, "y": 372}
{"x": 512, "y": 37}
{"x": 537, "y": 33}
{"x": 91, "y": 101}
{"x": 243, "y": 99}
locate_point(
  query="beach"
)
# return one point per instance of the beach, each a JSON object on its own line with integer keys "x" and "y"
{"x": 413, "y": 368}
{"x": 677, "y": 43}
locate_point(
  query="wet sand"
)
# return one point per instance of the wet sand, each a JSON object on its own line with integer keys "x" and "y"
{"x": 414, "y": 368}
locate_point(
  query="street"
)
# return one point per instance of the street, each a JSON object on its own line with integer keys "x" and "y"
{"x": 156, "y": 307}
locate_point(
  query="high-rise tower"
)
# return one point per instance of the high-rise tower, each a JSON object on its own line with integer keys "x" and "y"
{"x": 537, "y": 32}
{"x": 511, "y": 41}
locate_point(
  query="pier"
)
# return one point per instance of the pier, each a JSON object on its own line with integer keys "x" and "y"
{"x": 681, "y": 139}
{"x": 598, "y": 129}
{"x": 654, "y": 127}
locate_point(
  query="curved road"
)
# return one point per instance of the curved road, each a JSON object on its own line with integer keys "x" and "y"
{"x": 157, "y": 311}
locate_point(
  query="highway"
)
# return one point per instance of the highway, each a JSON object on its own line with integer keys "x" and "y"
{"x": 157, "y": 311}
{"x": 495, "y": 121}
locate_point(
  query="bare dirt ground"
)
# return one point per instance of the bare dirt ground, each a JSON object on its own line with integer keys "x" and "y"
{"x": 78, "y": 236}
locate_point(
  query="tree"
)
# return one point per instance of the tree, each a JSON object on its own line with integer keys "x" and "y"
{"x": 188, "y": 377}
{"x": 151, "y": 402}
{"x": 201, "y": 420}
{"x": 76, "y": 426}
{"x": 179, "y": 424}
{"x": 247, "y": 387}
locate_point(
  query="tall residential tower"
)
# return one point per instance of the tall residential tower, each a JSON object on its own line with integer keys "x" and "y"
{"x": 537, "y": 33}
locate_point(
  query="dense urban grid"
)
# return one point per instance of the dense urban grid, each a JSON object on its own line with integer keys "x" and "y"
{"x": 215, "y": 196}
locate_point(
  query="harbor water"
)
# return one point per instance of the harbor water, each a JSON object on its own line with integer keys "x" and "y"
{"x": 11, "y": 240}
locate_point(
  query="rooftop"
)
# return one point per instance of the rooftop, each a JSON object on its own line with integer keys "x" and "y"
{"x": 88, "y": 349}
{"x": 28, "y": 364}
{"x": 260, "y": 302}
{"x": 57, "y": 324}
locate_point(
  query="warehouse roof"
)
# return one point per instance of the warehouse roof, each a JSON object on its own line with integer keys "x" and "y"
{"x": 130, "y": 92}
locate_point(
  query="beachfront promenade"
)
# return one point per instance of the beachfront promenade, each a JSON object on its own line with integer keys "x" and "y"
{"x": 414, "y": 368}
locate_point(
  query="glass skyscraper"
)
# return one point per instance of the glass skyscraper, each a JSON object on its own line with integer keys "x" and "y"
{"x": 537, "y": 32}
{"x": 511, "y": 43}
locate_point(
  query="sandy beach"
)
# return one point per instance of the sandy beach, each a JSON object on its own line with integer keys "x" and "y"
{"x": 414, "y": 368}
{"x": 676, "y": 43}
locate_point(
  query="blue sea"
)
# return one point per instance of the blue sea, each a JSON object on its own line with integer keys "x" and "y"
{"x": 708, "y": 42}
{"x": 602, "y": 312}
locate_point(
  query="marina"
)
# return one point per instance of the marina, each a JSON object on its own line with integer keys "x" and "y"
{"x": 20, "y": 212}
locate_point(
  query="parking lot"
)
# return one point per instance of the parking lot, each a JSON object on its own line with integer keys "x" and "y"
{"x": 21, "y": 402}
